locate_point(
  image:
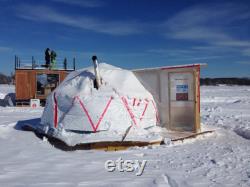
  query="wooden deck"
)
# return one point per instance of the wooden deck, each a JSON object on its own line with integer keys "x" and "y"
{"x": 180, "y": 136}
{"x": 116, "y": 145}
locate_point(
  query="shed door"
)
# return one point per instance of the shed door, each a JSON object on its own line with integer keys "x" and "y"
{"x": 182, "y": 101}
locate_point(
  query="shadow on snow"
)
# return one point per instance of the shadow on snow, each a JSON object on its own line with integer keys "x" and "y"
{"x": 31, "y": 125}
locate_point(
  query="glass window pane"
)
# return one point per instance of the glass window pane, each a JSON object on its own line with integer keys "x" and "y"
{"x": 46, "y": 83}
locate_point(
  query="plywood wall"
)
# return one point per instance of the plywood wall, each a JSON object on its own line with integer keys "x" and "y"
{"x": 26, "y": 82}
{"x": 157, "y": 82}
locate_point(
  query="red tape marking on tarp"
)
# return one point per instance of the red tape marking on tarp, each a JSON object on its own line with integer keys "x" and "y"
{"x": 86, "y": 112}
{"x": 139, "y": 102}
{"x": 156, "y": 112}
{"x": 105, "y": 110}
{"x": 94, "y": 127}
{"x": 55, "y": 111}
{"x": 125, "y": 102}
{"x": 144, "y": 111}
{"x": 134, "y": 101}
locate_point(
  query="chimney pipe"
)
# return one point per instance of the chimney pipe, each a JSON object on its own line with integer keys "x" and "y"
{"x": 97, "y": 72}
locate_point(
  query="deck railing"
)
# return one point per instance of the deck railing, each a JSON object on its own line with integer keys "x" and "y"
{"x": 61, "y": 64}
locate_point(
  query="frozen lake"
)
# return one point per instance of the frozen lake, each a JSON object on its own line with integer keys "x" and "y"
{"x": 220, "y": 159}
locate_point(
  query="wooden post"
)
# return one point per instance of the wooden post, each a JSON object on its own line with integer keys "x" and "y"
{"x": 32, "y": 60}
{"x": 19, "y": 62}
{"x": 197, "y": 99}
{"x": 65, "y": 63}
{"x": 15, "y": 62}
{"x": 74, "y": 63}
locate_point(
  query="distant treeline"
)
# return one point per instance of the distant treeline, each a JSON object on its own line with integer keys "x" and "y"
{"x": 227, "y": 81}
{"x": 5, "y": 79}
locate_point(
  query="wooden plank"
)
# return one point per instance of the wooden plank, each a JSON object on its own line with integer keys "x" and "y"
{"x": 193, "y": 135}
{"x": 63, "y": 75}
{"x": 32, "y": 77}
{"x": 197, "y": 100}
{"x": 196, "y": 125}
{"x": 117, "y": 146}
{"x": 22, "y": 85}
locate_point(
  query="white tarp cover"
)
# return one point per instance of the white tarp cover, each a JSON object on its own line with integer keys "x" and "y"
{"x": 76, "y": 112}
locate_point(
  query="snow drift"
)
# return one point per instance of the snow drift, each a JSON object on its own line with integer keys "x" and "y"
{"x": 7, "y": 95}
{"x": 76, "y": 112}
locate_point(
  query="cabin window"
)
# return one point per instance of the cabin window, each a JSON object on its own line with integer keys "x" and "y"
{"x": 46, "y": 83}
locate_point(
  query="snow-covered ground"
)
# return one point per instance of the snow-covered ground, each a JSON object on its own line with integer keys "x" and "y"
{"x": 6, "y": 89}
{"x": 7, "y": 95}
{"x": 220, "y": 159}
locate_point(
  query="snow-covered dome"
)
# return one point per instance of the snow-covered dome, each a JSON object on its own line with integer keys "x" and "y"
{"x": 121, "y": 101}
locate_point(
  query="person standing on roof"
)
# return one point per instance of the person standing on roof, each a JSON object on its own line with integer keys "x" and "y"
{"x": 47, "y": 58}
{"x": 53, "y": 59}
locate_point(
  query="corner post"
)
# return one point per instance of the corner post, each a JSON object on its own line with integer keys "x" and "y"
{"x": 74, "y": 63}
{"x": 15, "y": 62}
{"x": 33, "y": 64}
{"x": 65, "y": 63}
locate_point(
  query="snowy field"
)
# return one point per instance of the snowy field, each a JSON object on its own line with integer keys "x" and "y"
{"x": 220, "y": 159}
{"x": 6, "y": 89}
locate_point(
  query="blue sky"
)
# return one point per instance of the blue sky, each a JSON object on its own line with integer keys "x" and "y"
{"x": 130, "y": 33}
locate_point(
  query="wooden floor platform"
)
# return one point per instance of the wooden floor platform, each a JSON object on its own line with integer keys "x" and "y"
{"x": 117, "y": 145}
{"x": 180, "y": 136}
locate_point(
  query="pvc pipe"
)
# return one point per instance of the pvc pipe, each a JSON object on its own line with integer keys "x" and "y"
{"x": 97, "y": 72}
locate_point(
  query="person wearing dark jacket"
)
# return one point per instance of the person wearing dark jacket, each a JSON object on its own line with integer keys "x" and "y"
{"x": 47, "y": 58}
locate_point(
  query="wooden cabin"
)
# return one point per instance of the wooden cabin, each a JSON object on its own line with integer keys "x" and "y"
{"x": 36, "y": 81}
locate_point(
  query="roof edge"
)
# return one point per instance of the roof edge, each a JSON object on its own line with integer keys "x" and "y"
{"x": 171, "y": 67}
